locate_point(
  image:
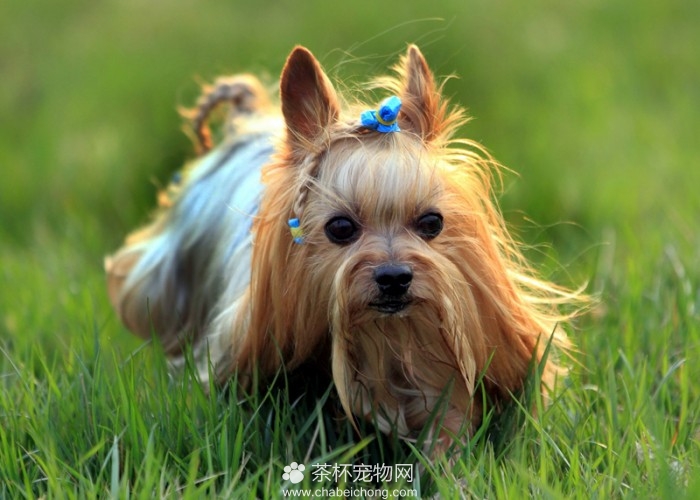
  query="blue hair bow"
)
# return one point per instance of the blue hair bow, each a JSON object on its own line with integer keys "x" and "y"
{"x": 383, "y": 119}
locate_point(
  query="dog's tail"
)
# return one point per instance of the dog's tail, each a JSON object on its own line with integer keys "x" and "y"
{"x": 243, "y": 93}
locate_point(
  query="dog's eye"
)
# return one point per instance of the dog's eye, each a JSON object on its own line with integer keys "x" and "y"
{"x": 429, "y": 225}
{"x": 341, "y": 230}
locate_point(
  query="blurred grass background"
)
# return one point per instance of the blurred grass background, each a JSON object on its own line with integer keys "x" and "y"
{"x": 595, "y": 104}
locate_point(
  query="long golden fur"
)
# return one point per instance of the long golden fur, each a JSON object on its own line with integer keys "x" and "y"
{"x": 470, "y": 305}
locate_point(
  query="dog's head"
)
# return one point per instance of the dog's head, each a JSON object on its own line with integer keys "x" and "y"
{"x": 405, "y": 266}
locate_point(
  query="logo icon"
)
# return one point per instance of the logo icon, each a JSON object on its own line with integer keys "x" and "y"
{"x": 294, "y": 472}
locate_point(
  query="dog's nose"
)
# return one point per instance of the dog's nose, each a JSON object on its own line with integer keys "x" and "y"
{"x": 393, "y": 279}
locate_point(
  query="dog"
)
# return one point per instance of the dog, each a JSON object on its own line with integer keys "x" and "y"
{"x": 364, "y": 240}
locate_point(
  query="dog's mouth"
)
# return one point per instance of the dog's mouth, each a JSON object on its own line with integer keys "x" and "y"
{"x": 390, "y": 306}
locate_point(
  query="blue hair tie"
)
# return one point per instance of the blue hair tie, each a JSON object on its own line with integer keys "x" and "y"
{"x": 384, "y": 119}
{"x": 295, "y": 229}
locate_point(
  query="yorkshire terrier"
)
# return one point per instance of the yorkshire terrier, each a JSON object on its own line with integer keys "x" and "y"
{"x": 366, "y": 240}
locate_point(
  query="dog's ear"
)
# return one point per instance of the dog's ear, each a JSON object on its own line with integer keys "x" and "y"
{"x": 422, "y": 111}
{"x": 309, "y": 102}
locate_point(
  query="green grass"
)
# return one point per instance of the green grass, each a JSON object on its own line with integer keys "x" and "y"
{"x": 594, "y": 104}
